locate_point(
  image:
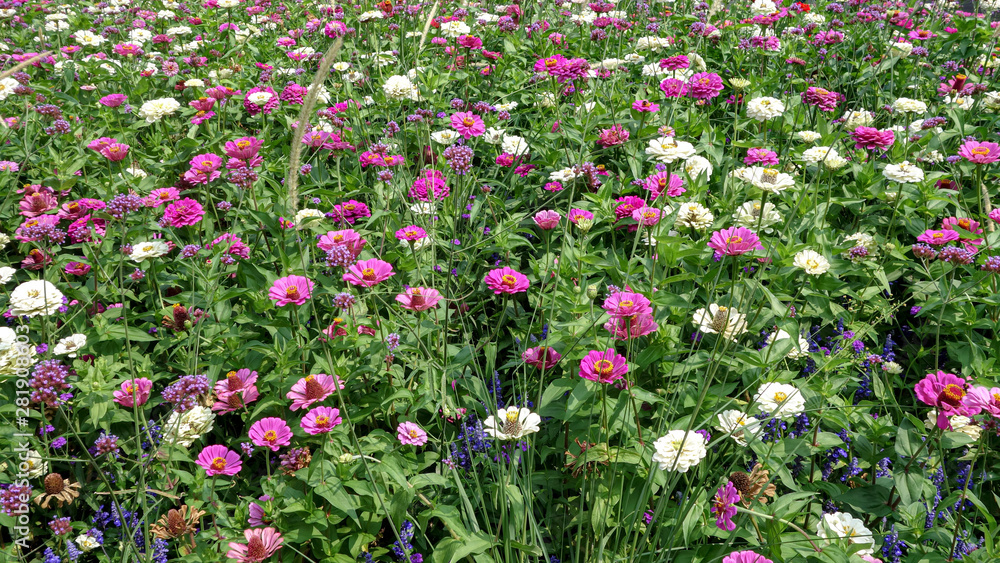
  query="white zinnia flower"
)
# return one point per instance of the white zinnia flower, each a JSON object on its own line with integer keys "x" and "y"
{"x": 763, "y": 8}
{"x": 453, "y": 29}
{"x": 512, "y": 144}
{"x": 564, "y": 175}
{"x": 446, "y": 137}
{"x": 679, "y": 450}
{"x": 155, "y": 110}
{"x": 812, "y": 262}
{"x": 737, "y": 425}
{"x": 799, "y": 350}
{"x": 958, "y": 423}
{"x": 749, "y": 215}
{"x": 808, "y": 136}
{"x": 904, "y": 172}
{"x": 843, "y": 525}
{"x": 779, "y": 399}
{"x": 184, "y": 428}
{"x": 70, "y": 345}
{"x": 512, "y": 423}
{"x": 695, "y": 165}
{"x": 765, "y": 108}
{"x": 770, "y": 180}
{"x": 35, "y": 298}
{"x": 399, "y": 87}
{"x": 908, "y": 105}
{"x": 900, "y": 49}
{"x": 11, "y": 353}
{"x": 668, "y": 149}
{"x": 717, "y": 319}
{"x": 7, "y": 274}
{"x": 36, "y": 467}
{"x": 302, "y": 215}
{"x": 694, "y": 215}
{"x": 493, "y": 135}
{"x": 148, "y": 249}
{"x": 86, "y": 543}
{"x": 815, "y": 155}
{"x": 855, "y": 119}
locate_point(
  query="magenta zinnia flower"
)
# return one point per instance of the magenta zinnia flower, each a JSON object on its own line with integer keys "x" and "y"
{"x": 411, "y": 233}
{"x": 646, "y": 216}
{"x": 673, "y": 88}
{"x": 243, "y": 148}
{"x": 822, "y": 98}
{"x": 467, "y": 124}
{"x": 659, "y": 184}
{"x": 419, "y": 298}
{"x": 624, "y": 304}
{"x": 724, "y": 506}
{"x": 603, "y": 367}
{"x": 946, "y": 392}
{"x": 758, "y": 155}
{"x": 938, "y": 238}
{"x": 979, "y": 153}
{"x": 745, "y": 557}
{"x": 312, "y": 389}
{"x": 113, "y": 100}
{"x": 183, "y": 213}
{"x": 734, "y": 241}
{"x": 261, "y": 544}
{"x": 368, "y": 273}
{"x": 964, "y": 223}
{"x": 291, "y": 289}
{"x": 577, "y": 214}
{"x": 320, "y": 420}
{"x": 115, "y": 151}
{"x": 409, "y": 434}
{"x": 235, "y": 391}
{"x": 542, "y": 357}
{"x": 346, "y": 238}
{"x": 219, "y": 460}
{"x": 984, "y": 399}
{"x": 271, "y": 432}
{"x": 506, "y": 280}
{"x": 704, "y": 85}
{"x": 624, "y": 328}
{"x": 645, "y": 106}
{"x": 870, "y": 138}
{"x": 134, "y": 392}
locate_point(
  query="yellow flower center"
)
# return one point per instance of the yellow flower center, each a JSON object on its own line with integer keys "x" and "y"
{"x": 270, "y": 436}
{"x": 734, "y": 240}
{"x": 368, "y": 274}
{"x": 603, "y": 367}
{"x": 780, "y": 397}
{"x": 219, "y": 464}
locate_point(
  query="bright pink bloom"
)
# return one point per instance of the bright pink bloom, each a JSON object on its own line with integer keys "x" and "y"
{"x": 734, "y": 241}
{"x": 506, "y": 280}
{"x": 312, "y": 389}
{"x": 219, "y": 460}
{"x": 346, "y": 238}
{"x": 243, "y": 148}
{"x": 419, "y": 298}
{"x": 134, "y": 392}
{"x": 946, "y": 392}
{"x": 676, "y": 62}
{"x": 646, "y": 216}
{"x": 938, "y": 238}
{"x": 704, "y": 85}
{"x": 979, "y": 153}
{"x": 645, "y": 106}
{"x": 577, "y": 214}
{"x": 429, "y": 185}
{"x": 542, "y": 357}
{"x": 870, "y": 138}
{"x": 271, "y": 432}
{"x": 409, "y": 434}
{"x": 183, "y": 213}
{"x": 161, "y": 196}
{"x": 745, "y": 557}
{"x": 113, "y": 100}
{"x": 547, "y": 220}
{"x": 291, "y": 289}
{"x": 368, "y": 273}
{"x": 77, "y": 268}
{"x": 966, "y": 224}
{"x": 984, "y": 399}
{"x": 995, "y": 215}
{"x": 603, "y": 367}
{"x": 822, "y": 98}
{"x": 37, "y": 203}
{"x": 626, "y": 304}
{"x": 470, "y": 41}
{"x": 411, "y": 233}
{"x": 321, "y": 420}
{"x": 261, "y": 544}
{"x": 724, "y": 506}
{"x": 235, "y": 391}
{"x": 115, "y": 151}
{"x": 467, "y": 124}
{"x": 205, "y": 163}
{"x": 100, "y": 143}
{"x": 613, "y": 136}
{"x": 231, "y": 244}
{"x": 761, "y": 156}
{"x": 624, "y": 328}
{"x": 673, "y": 88}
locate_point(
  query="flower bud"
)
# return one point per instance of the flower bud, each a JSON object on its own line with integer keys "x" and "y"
{"x": 592, "y": 290}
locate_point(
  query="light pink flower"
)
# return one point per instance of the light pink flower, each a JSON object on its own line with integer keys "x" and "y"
{"x": 261, "y": 544}
{"x": 979, "y": 153}
{"x": 468, "y": 124}
{"x": 542, "y": 357}
{"x": 410, "y": 434}
{"x": 270, "y": 433}
{"x": 368, "y": 273}
{"x": 646, "y": 216}
{"x": 547, "y": 220}
{"x": 235, "y": 391}
{"x": 419, "y": 298}
{"x": 291, "y": 289}
{"x": 219, "y": 460}
{"x": 984, "y": 399}
{"x": 312, "y": 389}
{"x": 134, "y": 392}
{"x": 321, "y": 420}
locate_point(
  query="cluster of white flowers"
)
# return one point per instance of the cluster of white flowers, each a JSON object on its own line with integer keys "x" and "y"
{"x": 843, "y": 525}
{"x": 907, "y": 105}
{"x": 904, "y": 173}
{"x": 750, "y": 215}
{"x": 9, "y": 352}
{"x": 800, "y": 349}
{"x": 694, "y": 215}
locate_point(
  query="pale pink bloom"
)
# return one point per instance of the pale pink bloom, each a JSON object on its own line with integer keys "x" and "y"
{"x": 261, "y": 544}
{"x": 368, "y": 273}
{"x": 320, "y": 420}
{"x": 312, "y": 389}
{"x": 134, "y": 392}
{"x": 271, "y": 432}
{"x": 419, "y": 298}
{"x": 547, "y": 220}
{"x": 410, "y": 434}
{"x": 219, "y": 460}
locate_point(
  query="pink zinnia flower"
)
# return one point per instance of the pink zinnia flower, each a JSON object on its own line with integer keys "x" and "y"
{"x": 576, "y": 214}
{"x": 368, "y": 273}
{"x": 113, "y": 100}
{"x": 613, "y": 136}
{"x": 506, "y": 280}
{"x": 938, "y": 238}
{"x": 734, "y": 241}
{"x": 100, "y": 143}
{"x": 822, "y": 98}
{"x": 258, "y": 516}
{"x": 979, "y": 153}
{"x": 624, "y": 328}
{"x": 625, "y": 304}
{"x": 320, "y": 420}
{"x": 745, "y": 557}
{"x": 704, "y": 85}
{"x": 183, "y": 213}
{"x": 762, "y": 156}
{"x": 115, "y": 151}
{"x": 966, "y": 224}
{"x": 871, "y": 138}
{"x": 346, "y": 238}
{"x": 946, "y": 392}
{"x": 291, "y": 289}
{"x": 411, "y": 233}
{"x": 312, "y": 389}
{"x": 724, "y": 506}
{"x": 261, "y": 544}
{"x": 984, "y": 399}
{"x": 134, "y": 392}
{"x": 542, "y": 357}
{"x": 419, "y": 298}
{"x": 467, "y": 124}
{"x": 231, "y": 244}
{"x": 161, "y": 196}
{"x": 219, "y": 460}
{"x": 673, "y": 88}
{"x": 547, "y": 220}
{"x": 603, "y": 367}
{"x": 409, "y": 434}
{"x": 77, "y": 268}
{"x": 646, "y": 216}
{"x": 645, "y": 106}
{"x": 236, "y": 391}
{"x": 243, "y": 148}
{"x": 271, "y": 432}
